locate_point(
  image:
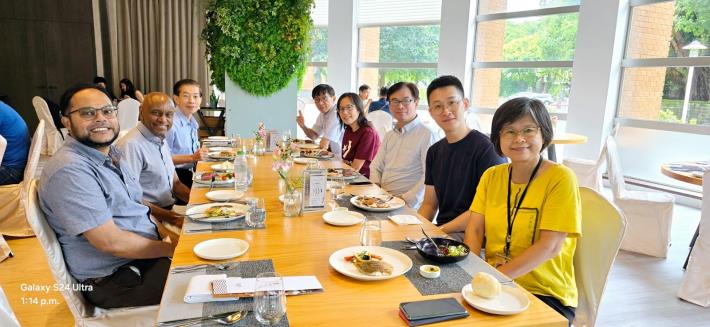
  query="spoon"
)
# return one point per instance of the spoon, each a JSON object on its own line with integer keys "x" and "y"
{"x": 438, "y": 251}
{"x": 211, "y": 183}
{"x": 229, "y": 319}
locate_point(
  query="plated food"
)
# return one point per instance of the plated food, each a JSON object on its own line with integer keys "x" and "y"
{"x": 224, "y": 166}
{"x": 342, "y": 172}
{"x": 216, "y": 212}
{"x": 219, "y": 177}
{"x": 510, "y": 300}
{"x": 449, "y": 250}
{"x": 485, "y": 285}
{"x": 378, "y": 203}
{"x": 222, "y": 155}
{"x": 370, "y": 262}
{"x": 320, "y": 154}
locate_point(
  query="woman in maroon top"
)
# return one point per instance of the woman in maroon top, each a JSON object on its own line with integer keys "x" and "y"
{"x": 360, "y": 141}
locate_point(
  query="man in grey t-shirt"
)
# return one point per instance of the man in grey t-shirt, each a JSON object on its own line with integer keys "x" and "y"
{"x": 94, "y": 205}
{"x": 144, "y": 149}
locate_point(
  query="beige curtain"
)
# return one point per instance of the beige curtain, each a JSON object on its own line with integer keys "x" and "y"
{"x": 155, "y": 43}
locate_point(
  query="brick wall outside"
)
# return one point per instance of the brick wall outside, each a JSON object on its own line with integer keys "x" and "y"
{"x": 369, "y": 52}
{"x": 489, "y": 47}
{"x": 650, "y": 33}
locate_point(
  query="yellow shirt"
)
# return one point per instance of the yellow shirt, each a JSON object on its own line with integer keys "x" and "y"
{"x": 551, "y": 203}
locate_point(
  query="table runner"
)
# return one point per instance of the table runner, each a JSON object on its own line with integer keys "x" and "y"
{"x": 454, "y": 276}
{"x": 174, "y": 307}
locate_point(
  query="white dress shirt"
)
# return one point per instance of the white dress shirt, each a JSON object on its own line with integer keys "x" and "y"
{"x": 328, "y": 126}
{"x": 399, "y": 165}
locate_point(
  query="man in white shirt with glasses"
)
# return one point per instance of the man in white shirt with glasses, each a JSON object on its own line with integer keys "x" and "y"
{"x": 400, "y": 162}
{"x": 327, "y": 125}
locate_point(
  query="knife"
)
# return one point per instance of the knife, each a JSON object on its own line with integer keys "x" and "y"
{"x": 187, "y": 320}
{"x": 210, "y": 229}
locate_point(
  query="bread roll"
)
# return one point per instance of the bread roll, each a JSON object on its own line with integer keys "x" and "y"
{"x": 485, "y": 285}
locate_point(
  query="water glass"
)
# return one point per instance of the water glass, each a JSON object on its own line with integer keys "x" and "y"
{"x": 336, "y": 184}
{"x": 256, "y": 217}
{"x": 292, "y": 203}
{"x": 371, "y": 232}
{"x": 269, "y": 298}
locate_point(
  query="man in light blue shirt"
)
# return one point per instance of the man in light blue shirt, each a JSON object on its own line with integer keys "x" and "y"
{"x": 93, "y": 204}
{"x": 400, "y": 162}
{"x": 144, "y": 149}
{"x": 183, "y": 138}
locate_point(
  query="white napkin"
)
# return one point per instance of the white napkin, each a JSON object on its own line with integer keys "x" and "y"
{"x": 200, "y": 290}
{"x": 405, "y": 220}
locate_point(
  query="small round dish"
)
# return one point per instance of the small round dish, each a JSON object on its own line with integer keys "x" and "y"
{"x": 224, "y": 195}
{"x": 430, "y": 271}
{"x": 304, "y": 161}
{"x": 343, "y": 217}
{"x": 221, "y": 248}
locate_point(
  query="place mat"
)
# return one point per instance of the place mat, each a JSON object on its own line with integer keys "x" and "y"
{"x": 359, "y": 179}
{"x": 687, "y": 167}
{"x": 190, "y": 226}
{"x": 173, "y": 306}
{"x": 344, "y": 201}
{"x": 454, "y": 276}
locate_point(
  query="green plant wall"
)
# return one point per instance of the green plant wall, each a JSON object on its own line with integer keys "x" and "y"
{"x": 260, "y": 45}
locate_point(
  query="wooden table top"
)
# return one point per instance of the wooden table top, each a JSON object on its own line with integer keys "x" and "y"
{"x": 683, "y": 176}
{"x": 302, "y": 245}
{"x": 568, "y": 138}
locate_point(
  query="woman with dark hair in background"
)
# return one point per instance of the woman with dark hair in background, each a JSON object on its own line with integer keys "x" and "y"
{"x": 101, "y": 81}
{"x": 360, "y": 140}
{"x": 129, "y": 91}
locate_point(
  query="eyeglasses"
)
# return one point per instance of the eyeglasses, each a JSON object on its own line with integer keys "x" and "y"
{"x": 439, "y": 107}
{"x": 160, "y": 114}
{"x": 89, "y": 113}
{"x": 348, "y": 108}
{"x": 320, "y": 99}
{"x": 405, "y": 101}
{"x": 527, "y": 132}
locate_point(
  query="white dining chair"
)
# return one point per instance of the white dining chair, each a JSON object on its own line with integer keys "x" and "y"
{"x": 381, "y": 121}
{"x": 5, "y": 251}
{"x": 84, "y": 313}
{"x": 12, "y": 213}
{"x": 3, "y": 146}
{"x": 588, "y": 172}
{"x": 128, "y": 113}
{"x": 603, "y": 227}
{"x": 7, "y": 317}
{"x": 648, "y": 214}
{"x": 695, "y": 287}
{"x": 53, "y": 138}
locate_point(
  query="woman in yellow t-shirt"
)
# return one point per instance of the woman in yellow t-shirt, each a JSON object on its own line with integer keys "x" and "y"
{"x": 528, "y": 210}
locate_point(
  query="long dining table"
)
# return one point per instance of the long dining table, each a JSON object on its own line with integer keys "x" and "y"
{"x": 301, "y": 246}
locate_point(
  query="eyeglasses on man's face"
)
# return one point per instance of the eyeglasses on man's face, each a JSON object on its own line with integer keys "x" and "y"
{"x": 438, "y": 107}
{"x": 89, "y": 113}
{"x": 397, "y": 102}
{"x": 527, "y": 132}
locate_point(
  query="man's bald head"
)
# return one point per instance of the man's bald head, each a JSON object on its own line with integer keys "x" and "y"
{"x": 157, "y": 112}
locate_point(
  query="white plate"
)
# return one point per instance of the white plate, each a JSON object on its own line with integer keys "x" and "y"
{"x": 395, "y": 204}
{"x": 218, "y": 138}
{"x": 511, "y": 300}
{"x": 304, "y": 161}
{"x": 217, "y": 181}
{"x": 220, "y": 148}
{"x": 218, "y": 167}
{"x": 224, "y": 195}
{"x": 217, "y": 155}
{"x": 399, "y": 261}
{"x": 343, "y": 218}
{"x": 202, "y": 208}
{"x": 220, "y": 248}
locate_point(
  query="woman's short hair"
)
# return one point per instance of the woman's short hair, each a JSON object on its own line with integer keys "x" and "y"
{"x": 355, "y": 100}
{"x": 515, "y": 109}
{"x": 401, "y": 85}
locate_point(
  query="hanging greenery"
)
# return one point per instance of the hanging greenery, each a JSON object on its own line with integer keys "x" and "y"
{"x": 260, "y": 45}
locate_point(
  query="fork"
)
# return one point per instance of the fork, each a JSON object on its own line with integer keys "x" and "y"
{"x": 219, "y": 266}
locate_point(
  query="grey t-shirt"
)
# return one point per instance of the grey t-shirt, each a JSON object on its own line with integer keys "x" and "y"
{"x": 150, "y": 157}
{"x": 81, "y": 189}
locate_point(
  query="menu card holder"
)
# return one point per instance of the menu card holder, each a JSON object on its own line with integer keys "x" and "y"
{"x": 314, "y": 186}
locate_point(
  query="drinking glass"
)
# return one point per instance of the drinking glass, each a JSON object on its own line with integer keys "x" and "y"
{"x": 336, "y": 184}
{"x": 257, "y": 212}
{"x": 236, "y": 142}
{"x": 371, "y": 232}
{"x": 269, "y": 298}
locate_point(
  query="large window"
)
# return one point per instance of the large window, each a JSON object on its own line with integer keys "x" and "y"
{"x": 666, "y": 66}
{"x": 524, "y": 48}
{"x": 398, "y": 41}
{"x": 317, "y": 72}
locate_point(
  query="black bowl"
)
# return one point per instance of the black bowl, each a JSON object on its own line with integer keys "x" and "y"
{"x": 428, "y": 250}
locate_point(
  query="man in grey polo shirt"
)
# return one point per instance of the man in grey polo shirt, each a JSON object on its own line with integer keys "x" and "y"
{"x": 327, "y": 125}
{"x": 93, "y": 204}
{"x": 144, "y": 150}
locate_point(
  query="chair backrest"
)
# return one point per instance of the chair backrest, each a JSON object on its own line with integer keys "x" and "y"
{"x": 381, "y": 121}
{"x": 53, "y": 251}
{"x": 603, "y": 227}
{"x": 54, "y": 137}
{"x": 35, "y": 152}
{"x": 3, "y": 146}
{"x": 128, "y": 113}
{"x": 616, "y": 175}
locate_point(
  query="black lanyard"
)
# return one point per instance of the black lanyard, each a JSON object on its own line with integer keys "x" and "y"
{"x": 511, "y": 216}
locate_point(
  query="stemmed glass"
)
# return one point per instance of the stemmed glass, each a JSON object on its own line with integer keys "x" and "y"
{"x": 269, "y": 298}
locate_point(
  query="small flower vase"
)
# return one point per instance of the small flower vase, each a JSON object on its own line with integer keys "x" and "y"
{"x": 292, "y": 203}
{"x": 259, "y": 147}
